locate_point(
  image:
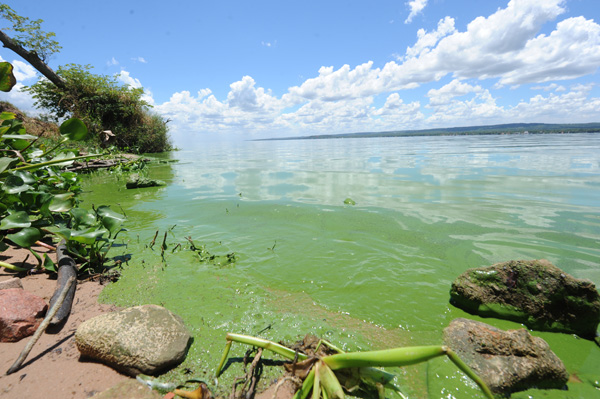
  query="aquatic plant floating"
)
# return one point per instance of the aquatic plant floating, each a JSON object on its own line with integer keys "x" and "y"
{"x": 328, "y": 375}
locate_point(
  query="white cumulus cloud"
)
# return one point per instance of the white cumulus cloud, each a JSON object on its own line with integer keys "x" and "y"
{"x": 416, "y": 6}
{"x": 445, "y": 94}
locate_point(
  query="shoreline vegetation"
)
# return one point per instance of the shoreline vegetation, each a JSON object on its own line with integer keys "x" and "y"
{"x": 507, "y": 128}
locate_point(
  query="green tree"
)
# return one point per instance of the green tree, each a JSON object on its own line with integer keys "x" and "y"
{"x": 103, "y": 104}
{"x": 29, "y": 34}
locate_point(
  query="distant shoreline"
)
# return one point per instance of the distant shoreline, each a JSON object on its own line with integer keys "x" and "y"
{"x": 510, "y": 128}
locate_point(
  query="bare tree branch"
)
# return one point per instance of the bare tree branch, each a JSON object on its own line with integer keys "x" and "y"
{"x": 33, "y": 59}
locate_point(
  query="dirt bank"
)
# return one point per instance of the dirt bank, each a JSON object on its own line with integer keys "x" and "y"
{"x": 53, "y": 369}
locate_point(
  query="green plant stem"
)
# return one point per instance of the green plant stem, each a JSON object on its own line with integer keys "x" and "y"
{"x": 307, "y": 385}
{"x": 266, "y": 344}
{"x": 12, "y": 267}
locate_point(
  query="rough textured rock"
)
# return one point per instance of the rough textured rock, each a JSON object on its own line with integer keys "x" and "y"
{"x": 142, "y": 339}
{"x": 20, "y": 314}
{"x": 508, "y": 361}
{"x": 535, "y": 293}
{"x": 137, "y": 181}
{"x": 11, "y": 283}
{"x": 130, "y": 389}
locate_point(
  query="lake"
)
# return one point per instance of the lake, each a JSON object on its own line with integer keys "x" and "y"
{"x": 372, "y": 275}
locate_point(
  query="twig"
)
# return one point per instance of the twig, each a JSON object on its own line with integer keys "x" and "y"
{"x": 253, "y": 374}
{"x": 154, "y": 239}
{"x": 47, "y": 246}
{"x": 38, "y": 333}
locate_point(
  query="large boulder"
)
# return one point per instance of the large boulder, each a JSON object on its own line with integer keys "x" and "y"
{"x": 143, "y": 339}
{"x": 535, "y": 293}
{"x": 21, "y": 313}
{"x": 507, "y": 361}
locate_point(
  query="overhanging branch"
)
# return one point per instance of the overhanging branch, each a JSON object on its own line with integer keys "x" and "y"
{"x": 33, "y": 59}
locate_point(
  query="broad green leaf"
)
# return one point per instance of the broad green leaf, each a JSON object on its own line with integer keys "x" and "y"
{"x": 27, "y": 177}
{"x": 4, "y": 116}
{"x": 5, "y": 162}
{"x": 110, "y": 219}
{"x": 26, "y": 237}
{"x": 62, "y": 202}
{"x": 74, "y": 129}
{"x": 60, "y": 231}
{"x": 17, "y": 144}
{"x": 14, "y": 185}
{"x": 49, "y": 264}
{"x": 3, "y": 246}
{"x": 69, "y": 176}
{"x": 7, "y": 78}
{"x": 88, "y": 236}
{"x": 16, "y": 220}
{"x": 82, "y": 217}
{"x": 68, "y": 157}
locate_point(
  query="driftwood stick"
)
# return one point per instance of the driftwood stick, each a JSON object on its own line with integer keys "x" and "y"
{"x": 38, "y": 333}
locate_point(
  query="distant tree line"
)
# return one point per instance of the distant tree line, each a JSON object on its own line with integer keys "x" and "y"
{"x": 509, "y": 128}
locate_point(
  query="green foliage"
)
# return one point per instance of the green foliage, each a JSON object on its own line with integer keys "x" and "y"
{"x": 104, "y": 104}
{"x": 8, "y": 78}
{"x": 29, "y": 34}
{"x": 38, "y": 198}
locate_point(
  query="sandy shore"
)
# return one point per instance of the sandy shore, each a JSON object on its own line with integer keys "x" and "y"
{"x": 54, "y": 369}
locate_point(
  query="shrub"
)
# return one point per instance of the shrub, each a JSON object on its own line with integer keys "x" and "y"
{"x": 104, "y": 104}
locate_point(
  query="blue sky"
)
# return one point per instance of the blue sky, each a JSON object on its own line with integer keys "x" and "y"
{"x": 239, "y": 69}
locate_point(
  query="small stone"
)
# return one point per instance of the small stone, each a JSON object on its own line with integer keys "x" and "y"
{"x": 507, "y": 361}
{"x": 11, "y": 283}
{"x": 21, "y": 313}
{"x": 130, "y": 389}
{"x": 533, "y": 292}
{"x": 143, "y": 339}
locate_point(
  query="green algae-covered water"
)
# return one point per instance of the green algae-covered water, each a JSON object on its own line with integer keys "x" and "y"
{"x": 372, "y": 275}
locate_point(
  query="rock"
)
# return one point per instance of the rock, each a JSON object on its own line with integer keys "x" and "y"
{"x": 508, "y": 361}
{"x": 11, "y": 283}
{"x": 143, "y": 339}
{"x": 535, "y": 293}
{"x": 20, "y": 314}
{"x": 130, "y": 389}
{"x": 137, "y": 181}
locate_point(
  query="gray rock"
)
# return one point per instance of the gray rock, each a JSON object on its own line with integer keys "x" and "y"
{"x": 535, "y": 293}
{"x": 130, "y": 389}
{"x": 14, "y": 282}
{"x": 21, "y": 313}
{"x": 508, "y": 361}
{"x": 137, "y": 181}
{"x": 143, "y": 339}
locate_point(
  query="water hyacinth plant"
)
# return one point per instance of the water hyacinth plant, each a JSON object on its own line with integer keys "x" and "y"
{"x": 38, "y": 198}
{"x": 322, "y": 373}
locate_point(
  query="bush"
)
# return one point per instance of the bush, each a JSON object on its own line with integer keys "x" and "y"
{"x": 104, "y": 104}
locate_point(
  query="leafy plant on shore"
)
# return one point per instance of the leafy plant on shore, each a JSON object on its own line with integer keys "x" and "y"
{"x": 327, "y": 373}
{"x": 39, "y": 199}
